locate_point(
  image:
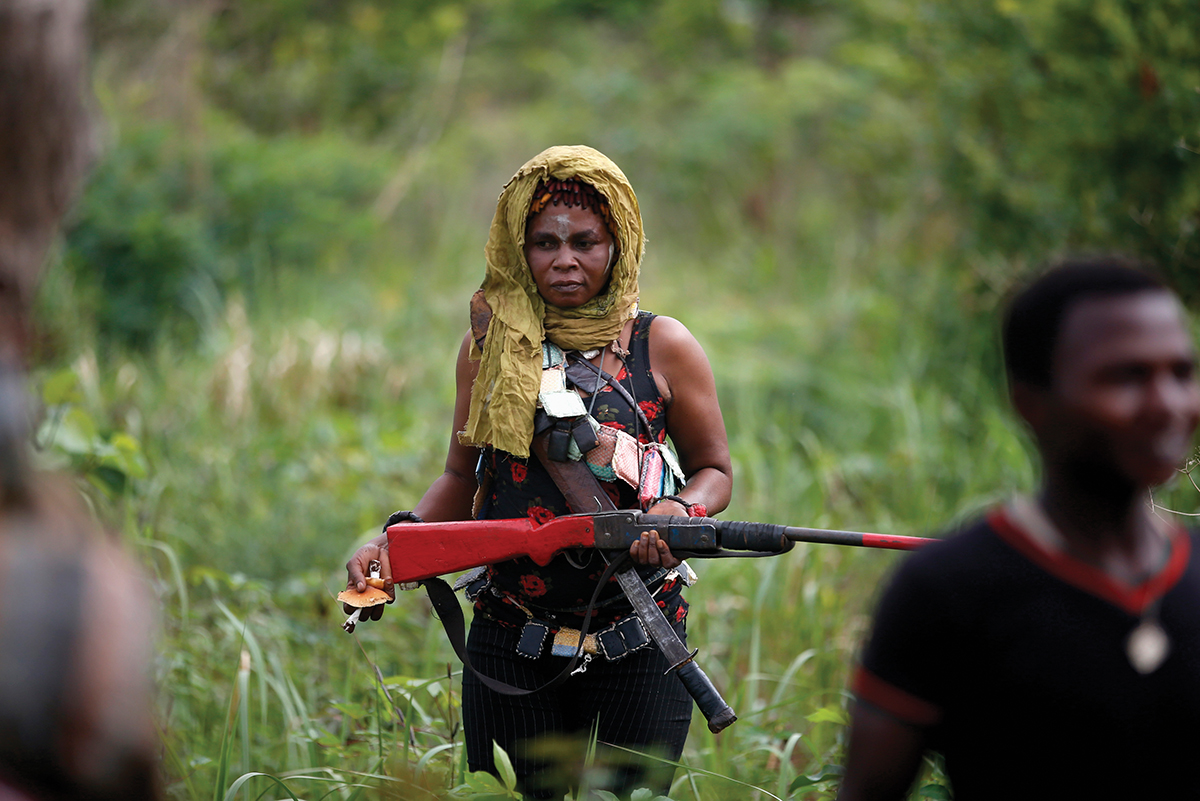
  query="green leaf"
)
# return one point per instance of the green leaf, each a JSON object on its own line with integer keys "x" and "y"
{"x": 352, "y": 710}
{"x": 826, "y": 773}
{"x": 108, "y": 479}
{"x": 480, "y": 782}
{"x": 125, "y": 443}
{"x": 504, "y": 767}
{"x": 935, "y": 791}
{"x": 827, "y": 714}
{"x": 231, "y": 793}
{"x": 76, "y": 433}
{"x": 60, "y": 388}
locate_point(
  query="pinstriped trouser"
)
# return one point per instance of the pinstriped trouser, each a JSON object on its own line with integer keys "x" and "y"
{"x": 629, "y": 702}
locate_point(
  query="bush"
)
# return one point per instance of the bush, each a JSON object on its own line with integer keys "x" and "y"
{"x": 168, "y": 226}
{"x": 1058, "y": 125}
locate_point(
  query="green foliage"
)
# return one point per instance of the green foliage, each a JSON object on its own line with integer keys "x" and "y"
{"x": 303, "y": 64}
{"x": 168, "y": 227}
{"x": 1064, "y": 125}
{"x": 70, "y": 439}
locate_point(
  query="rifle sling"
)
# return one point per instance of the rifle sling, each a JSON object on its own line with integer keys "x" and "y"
{"x": 581, "y": 488}
{"x": 445, "y": 603}
{"x": 579, "y": 496}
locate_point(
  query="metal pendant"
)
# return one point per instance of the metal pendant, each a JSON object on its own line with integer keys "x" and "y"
{"x": 590, "y": 354}
{"x": 1147, "y": 646}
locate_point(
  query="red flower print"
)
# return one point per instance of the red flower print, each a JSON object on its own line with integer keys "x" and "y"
{"x": 540, "y": 514}
{"x": 650, "y": 409}
{"x": 680, "y": 613}
{"x": 613, "y": 424}
{"x": 519, "y": 472}
{"x": 622, "y": 374}
{"x": 533, "y": 586}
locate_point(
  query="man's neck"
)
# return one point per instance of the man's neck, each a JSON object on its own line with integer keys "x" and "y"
{"x": 1113, "y": 529}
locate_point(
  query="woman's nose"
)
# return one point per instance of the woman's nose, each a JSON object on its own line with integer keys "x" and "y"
{"x": 565, "y": 259}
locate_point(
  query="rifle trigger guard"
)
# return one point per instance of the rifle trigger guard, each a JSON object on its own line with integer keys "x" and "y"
{"x": 682, "y": 662}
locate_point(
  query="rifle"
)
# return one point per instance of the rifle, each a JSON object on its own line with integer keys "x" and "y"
{"x": 422, "y": 551}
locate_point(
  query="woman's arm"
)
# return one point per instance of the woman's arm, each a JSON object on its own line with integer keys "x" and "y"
{"x": 695, "y": 426}
{"x": 449, "y": 497}
{"x": 694, "y": 421}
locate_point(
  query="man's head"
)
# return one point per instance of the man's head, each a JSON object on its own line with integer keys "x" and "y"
{"x": 1033, "y": 321}
{"x": 1102, "y": 368}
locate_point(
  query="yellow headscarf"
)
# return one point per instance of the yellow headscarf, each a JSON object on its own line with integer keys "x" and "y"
{"x": 504, "y": 396}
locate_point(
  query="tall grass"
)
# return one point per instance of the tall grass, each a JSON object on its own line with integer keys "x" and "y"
{"x": 858, "y": 378}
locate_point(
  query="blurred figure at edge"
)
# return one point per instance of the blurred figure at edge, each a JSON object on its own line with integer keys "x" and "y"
{"x": 75, "y": 700}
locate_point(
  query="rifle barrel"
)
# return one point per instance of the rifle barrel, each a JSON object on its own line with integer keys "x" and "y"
{"x": 861, "y": 539}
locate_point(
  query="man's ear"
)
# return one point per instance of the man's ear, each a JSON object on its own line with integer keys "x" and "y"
{"x": 1030, "y": 402}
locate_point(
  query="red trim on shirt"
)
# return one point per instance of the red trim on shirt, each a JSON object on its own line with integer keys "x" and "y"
{"x": 1089, "y": 578}
{"x": 891, "y": 699}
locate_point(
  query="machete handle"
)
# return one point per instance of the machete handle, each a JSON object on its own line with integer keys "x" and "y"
{"x": 718, "y": 713}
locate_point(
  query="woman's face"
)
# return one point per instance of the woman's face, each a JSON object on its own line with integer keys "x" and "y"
{"x": 569, "y": 251}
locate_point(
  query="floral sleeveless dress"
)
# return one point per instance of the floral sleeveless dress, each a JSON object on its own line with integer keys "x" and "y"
{"x": 559, "y": 591}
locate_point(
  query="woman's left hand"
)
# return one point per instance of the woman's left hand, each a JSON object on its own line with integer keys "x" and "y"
{"x": 649, "y": 549}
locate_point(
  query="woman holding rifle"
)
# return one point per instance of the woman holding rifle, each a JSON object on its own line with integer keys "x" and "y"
{"x": 556, "y": 331}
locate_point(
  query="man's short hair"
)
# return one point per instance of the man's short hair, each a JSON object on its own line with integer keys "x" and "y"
{"x": 1034, "y": 317}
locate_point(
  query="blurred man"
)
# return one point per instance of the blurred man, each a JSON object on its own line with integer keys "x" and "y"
{"x": 75, "y": 703}
{"x": 1052, "y": 649}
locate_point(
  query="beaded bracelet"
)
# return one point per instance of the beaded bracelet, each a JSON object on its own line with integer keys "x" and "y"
{"x": 693, "y": 509}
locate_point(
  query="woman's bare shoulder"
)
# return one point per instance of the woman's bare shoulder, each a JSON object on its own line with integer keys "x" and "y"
{"x": 671, "y": 338}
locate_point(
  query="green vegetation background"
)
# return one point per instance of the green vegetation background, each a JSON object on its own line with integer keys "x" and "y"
{"x": 246, "y": 346}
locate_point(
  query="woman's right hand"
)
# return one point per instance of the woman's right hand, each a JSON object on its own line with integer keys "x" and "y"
{"x": 356, "y": 575}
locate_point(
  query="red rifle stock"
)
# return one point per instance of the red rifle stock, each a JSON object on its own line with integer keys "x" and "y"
{"x": 421, "y": 551}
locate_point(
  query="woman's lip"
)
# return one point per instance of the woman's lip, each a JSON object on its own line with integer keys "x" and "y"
{"x": 567, "y": 286}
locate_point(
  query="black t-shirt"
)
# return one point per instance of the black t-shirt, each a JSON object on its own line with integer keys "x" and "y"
{"x": 1014, "y": 657}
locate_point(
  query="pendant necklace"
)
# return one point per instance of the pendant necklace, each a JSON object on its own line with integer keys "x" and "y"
{"x": 1148, "y": 645}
